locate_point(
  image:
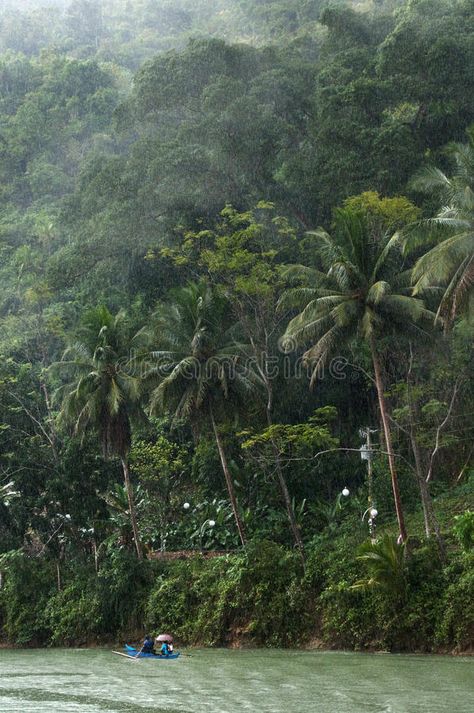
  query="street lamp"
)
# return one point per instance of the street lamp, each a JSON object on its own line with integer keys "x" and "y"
{"x": 206, "y": 525}
{"x": 372, "y": 513}
{"x": 345, "y": 492}
{"x": 186, "y": 506}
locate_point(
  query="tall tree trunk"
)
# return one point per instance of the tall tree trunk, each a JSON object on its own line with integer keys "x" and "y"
{"x": 96, "y": 555}
{"x": 52, "y": 431}
{"x": 429, "y": 516}
{"x": 131, "y": 508}
{"x": 421, "y": 481}
{"x": 289, "y": 505}
{"x": 228, "y": 479}
{"x": 388, "y": 441}
{"x": 281, "y": 478}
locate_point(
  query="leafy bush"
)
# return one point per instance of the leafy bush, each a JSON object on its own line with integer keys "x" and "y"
{"x": 88, "y": 606}
{"x": 464, "y": 529}
{"x": 456, "y": 623}
{"x": 270, "y": 595}
{"x": 348, "y": 618}
{"x": 29, "y": 583}
{"x": 74, "y": 614}
{"x": 257, "y": 597}
{"x": 399, "y": 611}
{"x": 415, "y": 625}
{"x": 123, "y": 585}
{"x": 260, "y": 597}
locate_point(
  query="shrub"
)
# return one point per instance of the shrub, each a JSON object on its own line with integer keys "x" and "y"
{"x": 257, "y": 596}
{"x": 464, "y": 529}
{"x": 456, "y": 624}
{"x": 74, "y": 614}
{"x": 29, "y": 583}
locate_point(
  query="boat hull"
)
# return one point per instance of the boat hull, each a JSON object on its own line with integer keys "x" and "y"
{"x": 132, "y": 652}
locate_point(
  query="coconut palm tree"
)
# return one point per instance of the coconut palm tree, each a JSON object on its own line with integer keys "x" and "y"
{"x": 101, "y": 395}
{"x": 361, "y": 292}
{"x": 450, "y": 261}
{"x": 201, "y": 374}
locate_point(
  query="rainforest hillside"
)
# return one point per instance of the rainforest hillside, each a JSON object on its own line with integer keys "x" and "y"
{"x": 236, "y": 255}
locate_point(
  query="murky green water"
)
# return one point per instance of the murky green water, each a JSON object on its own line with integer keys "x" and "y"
{"x": 220, "y": 681}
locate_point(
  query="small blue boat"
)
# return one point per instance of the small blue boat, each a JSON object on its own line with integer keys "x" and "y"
{"x": 132, "y": 652}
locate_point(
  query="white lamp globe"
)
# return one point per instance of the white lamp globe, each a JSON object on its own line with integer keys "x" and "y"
{"x": 186, "y": 506}
{"x": 345, "y": 492}
{"x": 212, "y": 523}
{"x": 373, "y": 513}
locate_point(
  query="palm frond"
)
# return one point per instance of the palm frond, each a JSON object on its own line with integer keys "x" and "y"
{"x": 430, "y": 179}
{"x": 378, "y": 291}
{"x": 394, "y": 243}
{"x": 317, "y": 355}
{"x": 386, "y": 566}
{"x": 438, "y": 265}
{"x": 302, "y": 274}
{"x": 296, "y": 297}
{"x": 451, "y": 231}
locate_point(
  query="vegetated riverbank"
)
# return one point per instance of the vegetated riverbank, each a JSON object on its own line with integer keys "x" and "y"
{"x": 258, "y": 598}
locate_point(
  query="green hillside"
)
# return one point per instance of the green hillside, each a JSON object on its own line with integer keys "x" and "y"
{"x": 236, "y": 255}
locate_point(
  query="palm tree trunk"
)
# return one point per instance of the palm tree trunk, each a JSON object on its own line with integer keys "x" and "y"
{"x": 228, "y": 479}
{"x": 131, "y": 508}
{"x": 388, "y": 441}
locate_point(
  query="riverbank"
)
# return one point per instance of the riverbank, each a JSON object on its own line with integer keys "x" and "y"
{"x": 261, "y": 598}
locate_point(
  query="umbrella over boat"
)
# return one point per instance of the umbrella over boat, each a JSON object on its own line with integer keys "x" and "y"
{"x": 164, "y": 638}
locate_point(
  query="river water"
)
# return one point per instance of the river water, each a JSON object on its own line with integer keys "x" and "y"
{"x": 223, "y": 681}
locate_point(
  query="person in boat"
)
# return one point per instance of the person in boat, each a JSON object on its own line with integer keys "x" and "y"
{"x": 170, "y": 647}
{"x": 148, "y": 645}
{"x": 165, "y": 649}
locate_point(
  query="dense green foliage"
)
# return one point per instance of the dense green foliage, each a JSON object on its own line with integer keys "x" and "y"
{"x": 236, "y": 240}
{"x": 260, "y": 597}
